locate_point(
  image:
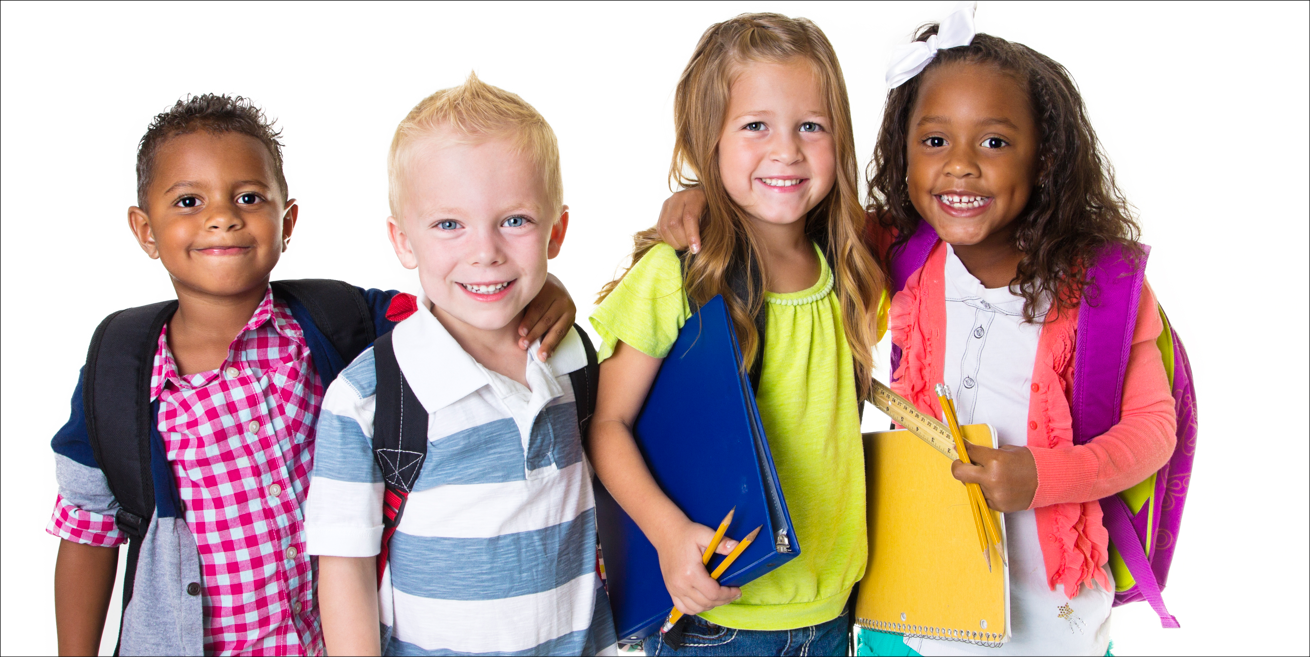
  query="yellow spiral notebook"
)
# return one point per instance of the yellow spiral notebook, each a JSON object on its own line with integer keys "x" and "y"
{"x": 926, "y": 575}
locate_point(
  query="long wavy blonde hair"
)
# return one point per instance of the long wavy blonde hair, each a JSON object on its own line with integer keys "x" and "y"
{"x": 728, "y": 244}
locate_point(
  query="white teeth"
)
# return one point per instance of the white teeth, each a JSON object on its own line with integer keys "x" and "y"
{"x": 781, "y": 182}
{"x": 964, "y": 202}
{"x": 485, "y": 289}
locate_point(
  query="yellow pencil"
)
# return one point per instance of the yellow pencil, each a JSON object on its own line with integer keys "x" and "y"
{"x": 718, "y": 537}
{"x": 989, "y": 521}
{"x": 982, "y": 513}
{"x": 723, "y": 566}
{"x": 736, "y": 552}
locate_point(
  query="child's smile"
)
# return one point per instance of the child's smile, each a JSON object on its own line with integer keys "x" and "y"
{"x": 972, "y": 157}
{"x": 487, "y": 291}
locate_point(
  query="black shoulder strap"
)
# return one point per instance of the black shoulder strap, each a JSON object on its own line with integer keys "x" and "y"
{"x": 400, "y": 423}
{"x": 339, "y": 310}
{"x": 116, "y": 399}
{"x": 737, "y": 281}
{"x": 586, "y": 384}
{"x": 400, "y": 439}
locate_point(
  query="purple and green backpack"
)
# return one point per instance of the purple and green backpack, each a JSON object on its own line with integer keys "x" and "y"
{"x": 1142, "y": 521}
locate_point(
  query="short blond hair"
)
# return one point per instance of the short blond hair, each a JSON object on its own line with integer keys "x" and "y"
{"x": 478, "y": 111}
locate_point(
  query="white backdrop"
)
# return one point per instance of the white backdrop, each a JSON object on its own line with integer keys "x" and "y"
{"x": 1202, "y": 108}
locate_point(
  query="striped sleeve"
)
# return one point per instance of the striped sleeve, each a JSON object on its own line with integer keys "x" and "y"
{"x": 343, "y": 513}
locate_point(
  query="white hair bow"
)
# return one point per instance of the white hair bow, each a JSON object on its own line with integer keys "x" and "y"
{"x": 908, "y": 60}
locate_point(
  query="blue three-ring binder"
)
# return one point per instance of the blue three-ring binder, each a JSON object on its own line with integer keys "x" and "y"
{"x": 701, "y": 436}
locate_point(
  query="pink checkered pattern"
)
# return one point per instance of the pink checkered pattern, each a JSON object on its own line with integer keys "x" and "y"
{"x": 76, "y": 524}
{"x": 240, "y": 440}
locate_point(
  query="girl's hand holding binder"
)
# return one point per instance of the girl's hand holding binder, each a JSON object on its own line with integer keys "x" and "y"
{"x": 1008, "y": 476}
{"x": 625, "y": 379}
{"x": 684, "y": 573}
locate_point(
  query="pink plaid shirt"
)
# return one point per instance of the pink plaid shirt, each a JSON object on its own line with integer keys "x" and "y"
{"x": 240, "y": 440}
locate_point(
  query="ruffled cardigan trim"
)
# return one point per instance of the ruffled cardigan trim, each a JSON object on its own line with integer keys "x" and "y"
{"x": 1073, "y": 540}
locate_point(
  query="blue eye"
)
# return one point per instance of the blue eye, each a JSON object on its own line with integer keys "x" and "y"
{"x": 516, "y": 221}
{"x": 248, "y": 199}
{"x": 754, "y": 126}
{"x": 810, "y": 126}
{"x": 934, "y": 142}
{"x": 995, "y": 142}
{"x": 447, "y": 224}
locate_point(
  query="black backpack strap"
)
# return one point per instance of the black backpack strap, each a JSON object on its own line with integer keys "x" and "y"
{"x": 119, "y": 415}
{"x": 339, "y": 310}
{"x": 737, "y": 282}
{"x": 586, "y": 384}
{"x": 116, "y": 399}
{"x": 400, "y": 439}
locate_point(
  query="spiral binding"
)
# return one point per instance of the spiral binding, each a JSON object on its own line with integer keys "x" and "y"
{"x": 978, "y": 638}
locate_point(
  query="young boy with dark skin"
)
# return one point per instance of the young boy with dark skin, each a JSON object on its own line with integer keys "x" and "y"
{"x": 214, "y": 210}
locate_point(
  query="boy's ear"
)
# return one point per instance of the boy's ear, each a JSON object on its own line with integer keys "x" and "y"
{"x": 557, "y": 234}
{"x": 400, "y": 242}
{"x": 139, "y": 224}
{"x": 289, "y": 217}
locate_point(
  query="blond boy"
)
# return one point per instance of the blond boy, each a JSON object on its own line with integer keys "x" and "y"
{"x": 496, "y": 549}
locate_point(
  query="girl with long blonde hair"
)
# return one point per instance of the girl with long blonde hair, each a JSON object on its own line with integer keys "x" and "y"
{"x": 763, "y": 126}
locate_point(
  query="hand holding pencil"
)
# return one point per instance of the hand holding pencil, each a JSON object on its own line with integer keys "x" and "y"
{"x": 682, "y": 565}
{"x": 988, "y": 530}
{"x": 1007, "y": 476}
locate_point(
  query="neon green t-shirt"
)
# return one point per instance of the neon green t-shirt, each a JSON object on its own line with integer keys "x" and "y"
{"x": 807, "y": 402}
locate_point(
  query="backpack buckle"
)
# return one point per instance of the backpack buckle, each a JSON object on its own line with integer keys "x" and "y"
{"x": 130, "y": 523}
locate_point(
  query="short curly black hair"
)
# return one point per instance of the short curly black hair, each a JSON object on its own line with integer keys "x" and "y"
{"x": 216, "y": 114}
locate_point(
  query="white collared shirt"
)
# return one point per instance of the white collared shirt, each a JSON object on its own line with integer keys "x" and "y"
{"x": 990, "y": 354}
{"x": 496, "y": 549}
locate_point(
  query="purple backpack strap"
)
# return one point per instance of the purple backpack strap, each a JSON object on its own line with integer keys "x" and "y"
{"x": 1106, "y": 320}
{"x": 905, "y": 260}
{"x": 911, "y": 255}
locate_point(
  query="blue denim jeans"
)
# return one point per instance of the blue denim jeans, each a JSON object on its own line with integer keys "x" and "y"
{"x": 706, "y": 639}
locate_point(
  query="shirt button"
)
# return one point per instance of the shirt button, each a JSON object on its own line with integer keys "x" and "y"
{"x": 295, "y": 607}
{"x": 1032, "y": 424}
{"x": 253, "y": 426}
{"x": 968, "y": 382}
{"x": 232, "y": 372}
{"x": 275, "y": 490}
{"x": 1036, "y": 387}
{"x": 987, "y": 306}
{"x": 292, "y": 552}
{"x": 978, "y": 332}
{"x": 193, "y": 588}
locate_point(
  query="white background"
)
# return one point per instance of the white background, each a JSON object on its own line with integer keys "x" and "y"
{"x": 1202, "y": 109}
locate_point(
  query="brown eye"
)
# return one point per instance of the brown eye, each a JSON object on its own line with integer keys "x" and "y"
{"x": 188, "y": 202}
{"x": 934, "y": 142}
{"x": 248, "y": 199}
{"x": 995, "y": 142}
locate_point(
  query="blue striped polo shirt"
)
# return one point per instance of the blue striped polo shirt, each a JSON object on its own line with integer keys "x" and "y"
{"x": 496, "y": 550}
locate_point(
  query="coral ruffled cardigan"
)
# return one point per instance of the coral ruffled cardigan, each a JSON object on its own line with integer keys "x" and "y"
{"x": 1070, "y": 478}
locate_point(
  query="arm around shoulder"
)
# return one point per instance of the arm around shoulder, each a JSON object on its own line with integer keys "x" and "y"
{"x": 1140, "y": 444}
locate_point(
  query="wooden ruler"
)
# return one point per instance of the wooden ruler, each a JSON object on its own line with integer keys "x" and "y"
{"x": 927, "y": 428}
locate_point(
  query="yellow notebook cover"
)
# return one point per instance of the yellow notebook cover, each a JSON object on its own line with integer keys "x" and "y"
{"x": 926, "y": 575}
